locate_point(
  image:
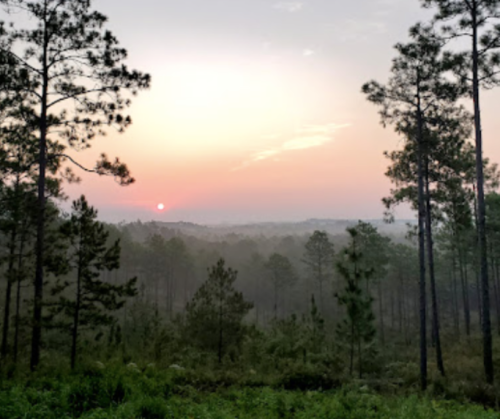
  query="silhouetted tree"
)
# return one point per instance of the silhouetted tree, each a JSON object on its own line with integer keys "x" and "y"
{"x": 87, "y": 257}
{"x": 357, "y": 328}
{"x": 215, "y": 314}
{"x": 478, "y": 20}
{"x": 74, "y": 81}
{"x": 282, "y": 274}
{"x": 416, "y": 88}
{"x": 318, "y": 257}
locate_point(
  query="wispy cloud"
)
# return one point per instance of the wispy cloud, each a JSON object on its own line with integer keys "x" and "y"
{"x": 308, "y": 52}
{"x": 289, "y": 6}
{"x": 309, "y": 136}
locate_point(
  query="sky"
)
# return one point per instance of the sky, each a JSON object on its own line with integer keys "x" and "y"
{"x": 255, "y": 112}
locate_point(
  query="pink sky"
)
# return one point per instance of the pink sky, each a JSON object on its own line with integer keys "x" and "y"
{"x": 255, "y": 111}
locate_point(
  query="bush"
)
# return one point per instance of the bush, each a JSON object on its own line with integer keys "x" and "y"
{"x": 152, "y": 408}
{"x": 308, "y": 378}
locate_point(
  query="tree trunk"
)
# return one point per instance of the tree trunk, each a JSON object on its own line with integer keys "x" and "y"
{"x": 497, "y": 286}
{"x": 360, "y": 359}
{"x": 18, "y": 297}
{"x": 401, "y": 304}
{"x": 351, "y": 363}
{"x": 8, "y": 294}
{"x": 76, "y": 317}
{"x": 430, "y": 256}
{"x": 456, "y": 317}
{"x": 495, "y": 290}
{"x": 36, "y": 339}
{"x": 381, "y": 313}
{"x": 220, "y": 341}
{"x": 465, "y": 290}
{"x": 421, "y": 246}
{"x": 477, "y": 270}
{"x": 393, "y": 320}
{"x": 320, "y": 278}
{"x": 486, "y": 326}
{"x": 275, "y": 299}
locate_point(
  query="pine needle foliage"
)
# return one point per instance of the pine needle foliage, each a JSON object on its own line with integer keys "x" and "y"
{"x": 216, "y": 312}
{"x": 85, "y": 299}
{"x": 356, "y": 331}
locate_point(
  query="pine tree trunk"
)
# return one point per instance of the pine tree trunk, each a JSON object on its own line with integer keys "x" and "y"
{"x": 76, "y": 317}
{"x": 456, "y": 311}
{"x": 497, "y": 286}
{"x": 486, "y": 326}
{"x": 360, "y": 359}
{"x": 495, "y": 290}
{"x": 478, "y": 297}
{"x": 320, "y": 278}
{"x": 220, "y": 341}
{"x": 8, "y": 293}
{"x": 275, "y": 299}
{"x": 393, "y": 320}
{"x": 477, "y": 270}
{"x": 381, "y": 313}
{"x": 36, "y": 339}
{"x": 401, "y": 305}
{"x": 17, "y": 320}
{"x": 430, "y": 255}
{"x": 465, "y": 291}
{"x": 351, "y": 363}
{"x": 421, "y": 247}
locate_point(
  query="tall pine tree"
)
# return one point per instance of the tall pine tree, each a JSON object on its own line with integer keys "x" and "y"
{"x": 76, "y": 85}
{"x": 215, "y": 314}
{"x": 85, "y": 299}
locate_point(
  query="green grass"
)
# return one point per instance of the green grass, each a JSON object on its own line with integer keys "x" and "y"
{"x": 149, "y": 393}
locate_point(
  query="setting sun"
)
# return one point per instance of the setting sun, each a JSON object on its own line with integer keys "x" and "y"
{"x": 160, "y": 207}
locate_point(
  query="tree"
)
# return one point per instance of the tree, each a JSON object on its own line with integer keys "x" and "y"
{"x": 179, "y": 267}
{"x": 318, "y": 257}
{"x": 493, "y": 232}
{"x": 417, "y": 87}
{"x": 478, "y": 67}
{"x": 87, "y": 257}
{"x": 74, "y": 82}
{"x": 447, "y": 157}
{"x": 375, "y": 250}
{"x": 403, "y": 272}
{"x": 253, "y": 282}
{"x": 357, "y": 327}
{"x": 18, "y": 202}
{"x": 281, "y": 273}
{"x": 215, "y": 314}
{"x": 156, "y": 261}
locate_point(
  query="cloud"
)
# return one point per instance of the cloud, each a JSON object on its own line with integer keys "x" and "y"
{"x": 309, "y": 136}
{"x": 289, "y": 6}
{"x": 308, "y": 53}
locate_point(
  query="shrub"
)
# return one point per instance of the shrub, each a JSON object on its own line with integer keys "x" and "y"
{"x": 152, "y": 408}
{"x": 308, "y": 378}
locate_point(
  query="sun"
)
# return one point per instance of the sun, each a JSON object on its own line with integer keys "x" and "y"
{"x": 160, "y": 207}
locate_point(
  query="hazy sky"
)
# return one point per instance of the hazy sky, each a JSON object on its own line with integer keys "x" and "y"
{"x": 255, "y": 110}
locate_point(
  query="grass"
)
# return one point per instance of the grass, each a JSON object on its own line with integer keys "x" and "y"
{"x": 150, "y": 393}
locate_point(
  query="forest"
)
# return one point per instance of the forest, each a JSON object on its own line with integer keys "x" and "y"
{"x": 319, "y": 319}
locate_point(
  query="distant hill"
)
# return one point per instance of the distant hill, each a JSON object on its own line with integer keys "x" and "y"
{"x": 141, "y": 230}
